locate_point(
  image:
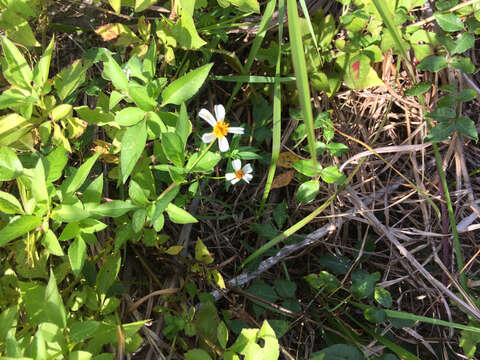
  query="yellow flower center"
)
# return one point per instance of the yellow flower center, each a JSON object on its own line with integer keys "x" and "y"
{"x": 239, "y": 174}
{"x": 220, "y": 129}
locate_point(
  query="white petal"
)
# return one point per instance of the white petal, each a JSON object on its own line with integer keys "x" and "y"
{"x": 247, "y": 169}
{"x": 234, "y": 181}
{"x": 223, "y": 144}
{"x": 219, "y": 112}
{"x": 236, "y": 164}
{"x": 230, "y": 176}
{"x": 236, "y": 130}
{"x": 247, "y": 178}
{"x": 208, "y": 137}
{"x": 207, "y": 116}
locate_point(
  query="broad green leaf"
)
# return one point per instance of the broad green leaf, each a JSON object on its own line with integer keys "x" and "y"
{"x": 163, "y": 202}
{"x": 442, "y": 114}
{"x": 42, "y": 67}
{"x": 467, "y": 127}
{"x": 464, "y": 43}
{"x": 142, "y": 98}
{"x": 70, "y": 78}
{"x": 10, "y": 166}
{"x": 39, "y": 348}
{"x": 9, "y": 204}
{"x": 116, "y": 5}
{"x": 246, "y": 5}
{"x": 61, "y": 111}
{"x": 178, "y": 215}
{"x": 375, "y": 315}
{"x": 184, "y": 126}
{"x": 331, "y": 174}
{"x": 285, "y": 288}
{"x": 307, "y": 167}
{"x": 17, "y": 27}
{"x": 440, "y": 132}
{"x": 418, "y": 89}
{"x": 383, "y": 297}
{"x": 51, "y": 243}
{"x": 8, "y": 319}
{"x": 80, "y": 355}
{"x": 108, "y": 273}
{"x": 197, "y": 354}
{"x": 18, "y": 227}
{"x": 141, "y": 5}
{"x": 129, "y": 116}
{"x": 337, "y": 264}
{"x": 173, "y": 148}
{"x": 114, "y": 208}
{"x": 222, "y": 335}
{"x": 463, "y": 64}
{"x": 54, "y": 164}
{"x": 96, "y": 116}
{"x": 363, "y": 283}
{"x": 133, "y": 143}
{"x": 73, "y": 183}
{"x": 433, "y": 63}
{"x": 338, "y": 352}
{"x": 113, "y": 72}
{"x": 185, "y": 87}
{"x": 93, "y": 192}
{"x": 466, "y": 95}
{"x": 70, "y": 231}
{"x": 54, "y": 307}
{"x": 150, "y": 62}
{"x": 15, "y": 68}
{"x": 69, "y": 213}
{"x": 137, "y": 193}
{"x": 39, "y": 185}
{"x": 185, "y": 32}
{"x": 449, "y": 22}
{"x": 206, "y": 163}
{"x": 138, "y": 219}
{"x": 12, "y": 128}
{"x": 82, "y": 330}
{"x": 359, "y": 74}
{"x": 308, "y": 191}
{"x": 469, "y": 340}
{"x": 323, "y": 279}
{"x": 77, "y": 253}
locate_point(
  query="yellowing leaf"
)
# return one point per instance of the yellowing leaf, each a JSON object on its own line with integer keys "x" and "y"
{"x": 286, "y": 159}
{"x": 201, "y": 253}
{"x": 115, "y": 4}
{"x": 218, "y": 278}
{"x": 174, "y": 250}
{"x": 118, "y": 31}
{"x": 283, "y": 179}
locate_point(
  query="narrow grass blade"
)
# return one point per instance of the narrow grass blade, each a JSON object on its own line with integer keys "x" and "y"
{"x": 255, "y": 79}
{"x": 277, "y": 112}
{"x": 257, "y": 42}
{"x": 300, "y": 67}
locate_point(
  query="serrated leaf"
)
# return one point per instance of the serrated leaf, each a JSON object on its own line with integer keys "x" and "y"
{"x": 418, "y": 89}
{"x": 440, "y": 132}
{"x": 70, "y": 78}
{"x": 184, "y": 127}
{"x": 463, "y": 64}
{"x": 185, "y": 87}
{"x": 222, "y": 335}
{"x": 464, "y": 43}
{"x": 433, "y": 63}
{"x": 173, "y": 148}
{"x": 449, "y": 22}
{"x": 466, "y": 127}
{"x": 133, "y": 143}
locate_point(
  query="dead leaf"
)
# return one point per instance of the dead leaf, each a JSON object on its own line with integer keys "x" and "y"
{"x": 286, "y": 159}
{"x": 283, "y": 179}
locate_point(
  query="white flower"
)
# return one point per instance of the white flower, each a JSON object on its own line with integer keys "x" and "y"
{"x": 240, "y": 173}
{"x": 220, "y": 127}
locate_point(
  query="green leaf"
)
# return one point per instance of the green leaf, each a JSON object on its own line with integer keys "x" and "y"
{"x": 17, "y": 27}
{"x": 54, "y": 307}
{"x": 178, "y": 215}
{"x": 206, "y": 163}
{"x": 73, "y": 183}
{"x": 133, "y": 143}
{"x": 9, "y": 204}
{"x": 184, "y": 126}
{"x": 54, "y": 164}
{"x": 466, "y": 95}
{"x": 77, "y": 253}
{"x": 442, "y": 114}
{"x": 70, "y": 78}
{"x": 93, "y": 192}
{"x": 323, "y": 279}
{"x": 82, "y": 330}
{"x": 246, "y": 5}
{"x": 337, "y": 264}
{"x": 433, "y": 63}
{"x": 114, "y": 208}
{"x": 280, "y": 214}
{"x": 467, "y": 127}
{"x": 185, "y": 87}
{"x": 463, "y": 64}
{"x": 173, "y": 148}
{"x": 440, "y": 132}
{"x": 141, "y": 5}
{"x": 12, "y": 128}
{"x": 449, "y": 22}
{"x": 150, "y": 62}
{"x": 363, "y": 283}
{"x": 15, "y": 68}
{"x": 338, "y": 352}
{"x": 129, "y": 116}
{"x": 108, "y": 273}
{"x": 18, "y": 227}
{"x": 10, "y": 166}
{"x": 69, "y": 213}
{"x": 197, "y": 354}
{"x": 141, "y": 97}
{"x": 331, "y": 174}
{"x": 113, "y": 72}
{"x": 337, "y": 149}
{"x": 285, "y": 288}
{"x": 137, "y": 193}
{"x": 307, "y": 167}
{"x": 418, "y": 89}
{"x": 39, "y": 185}
{"x": 138, "y": 220}
{"x": 42, "y": 67}
{"x": 464, "y": 43}
{"x": 308, "y": 191}
{"x": 469, "y": 341}
{"x": 116, "y": 5}
{"x": 8, "y": 319}
{"x": 375, "y": 315}
{"x": 185, "y": 32}
{"x": 51, "y": 243}
{"x": 96, "y": 116}
{"x": 222, "y": 335}
{"x": 383, "y": 297}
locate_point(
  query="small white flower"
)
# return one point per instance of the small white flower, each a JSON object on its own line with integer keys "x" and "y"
{"x": 240, "y": 173}
{"x": 220, "y": 127}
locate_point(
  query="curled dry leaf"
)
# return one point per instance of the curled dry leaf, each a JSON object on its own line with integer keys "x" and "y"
{"x": 283, "y": 179}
